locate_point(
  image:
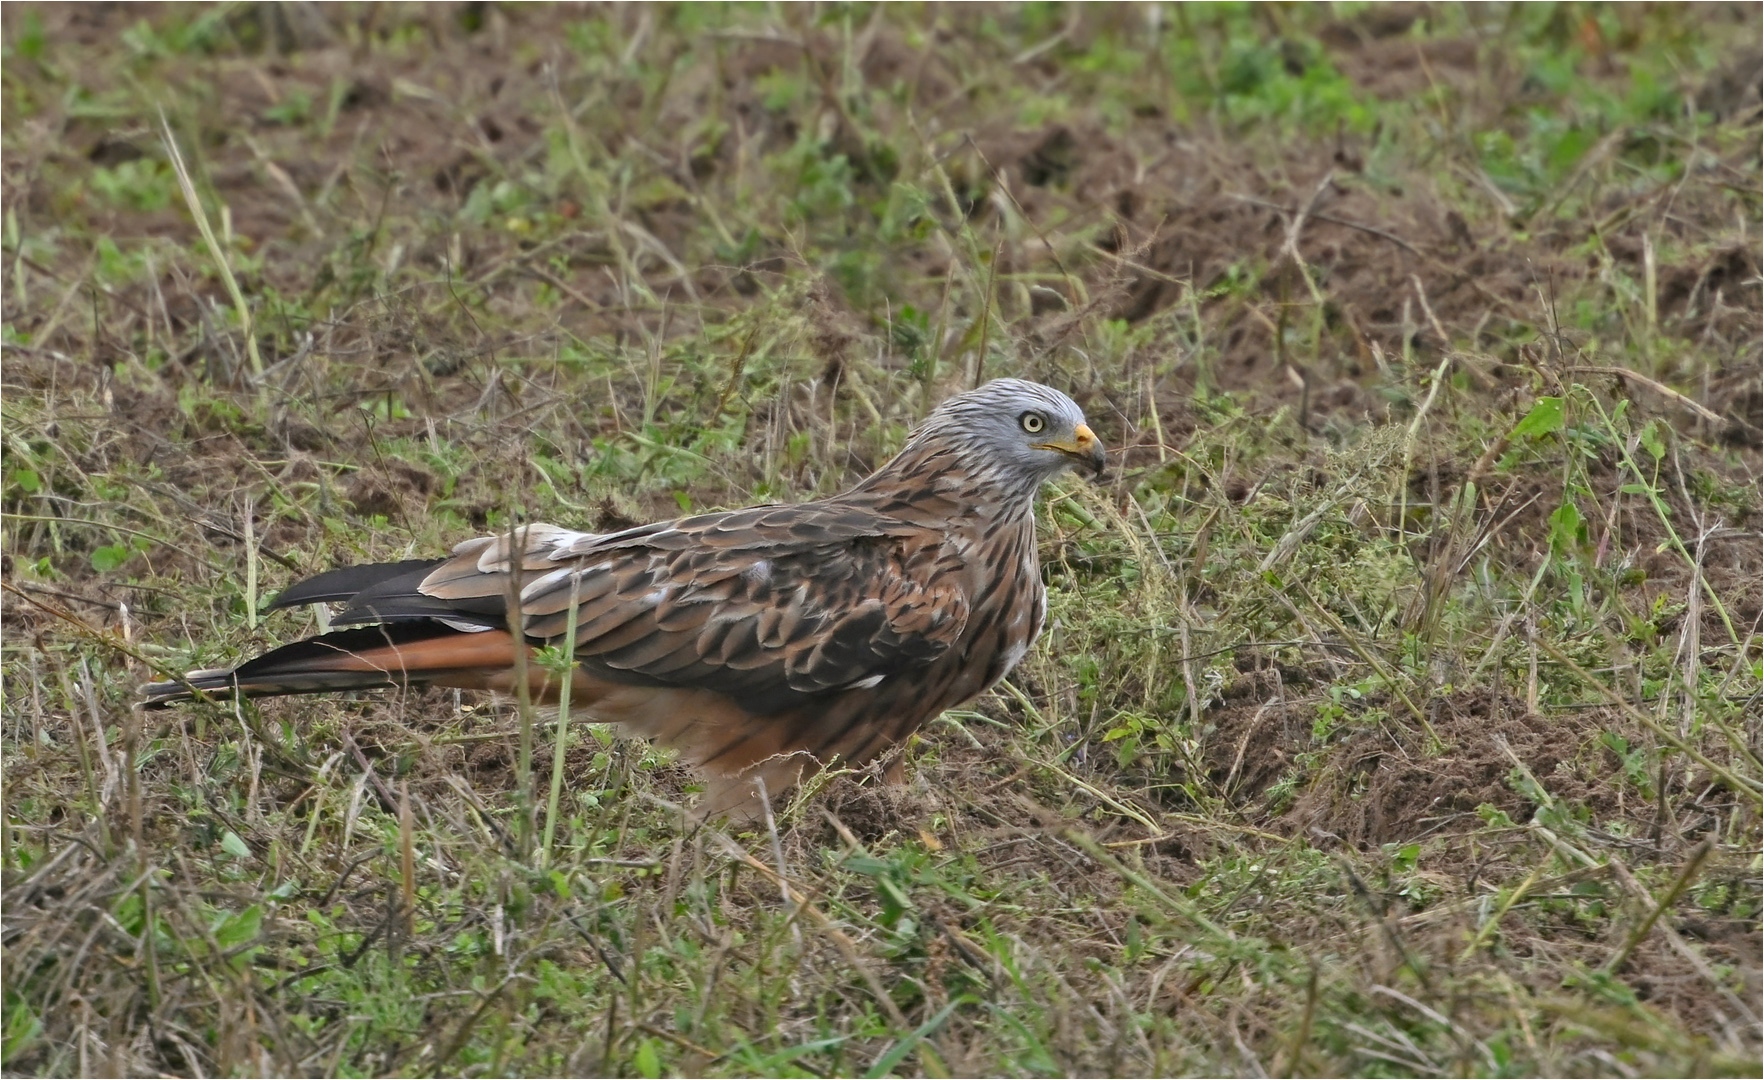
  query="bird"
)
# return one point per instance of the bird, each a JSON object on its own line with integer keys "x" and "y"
{"x": 763, "y": 644}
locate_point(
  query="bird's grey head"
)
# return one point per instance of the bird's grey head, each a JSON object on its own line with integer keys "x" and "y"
{"x": 1022, "y": 433}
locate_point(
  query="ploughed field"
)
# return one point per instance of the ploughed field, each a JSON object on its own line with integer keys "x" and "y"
{"x": 1398, "y": 712}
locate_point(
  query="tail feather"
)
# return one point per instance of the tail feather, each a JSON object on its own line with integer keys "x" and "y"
{"x": 369, "y": 658}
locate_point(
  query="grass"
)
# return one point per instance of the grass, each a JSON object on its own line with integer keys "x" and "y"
{"x": 1399, "y": 709}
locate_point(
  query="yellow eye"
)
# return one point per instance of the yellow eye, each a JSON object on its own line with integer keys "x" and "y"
{"x": 1032, "y": 422}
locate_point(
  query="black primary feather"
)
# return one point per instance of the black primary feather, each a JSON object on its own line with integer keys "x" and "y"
{"x": 346, "y": 582}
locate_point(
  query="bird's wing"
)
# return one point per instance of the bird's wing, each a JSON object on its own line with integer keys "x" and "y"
{"x": 769, "y": 606}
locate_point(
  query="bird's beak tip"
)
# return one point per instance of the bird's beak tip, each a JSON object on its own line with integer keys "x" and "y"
{"x": 1084, "y": 449}
{"x": 1091, "y": 448}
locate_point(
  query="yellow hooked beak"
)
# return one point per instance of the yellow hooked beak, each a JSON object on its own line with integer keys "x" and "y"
{"x": 1083, "y": 446}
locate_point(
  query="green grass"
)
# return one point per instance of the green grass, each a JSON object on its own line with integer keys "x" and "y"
{"x": 1399, "y": 709}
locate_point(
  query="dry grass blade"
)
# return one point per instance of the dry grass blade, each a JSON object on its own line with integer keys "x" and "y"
{"x": 1692, "y": 867}
{"x": 194, "y": 202}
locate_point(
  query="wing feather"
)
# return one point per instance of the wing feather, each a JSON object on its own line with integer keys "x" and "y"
{"x": 770, "y": 605}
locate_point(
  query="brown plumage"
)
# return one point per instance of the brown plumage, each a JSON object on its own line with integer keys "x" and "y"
{"x": 761, "y": 643}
